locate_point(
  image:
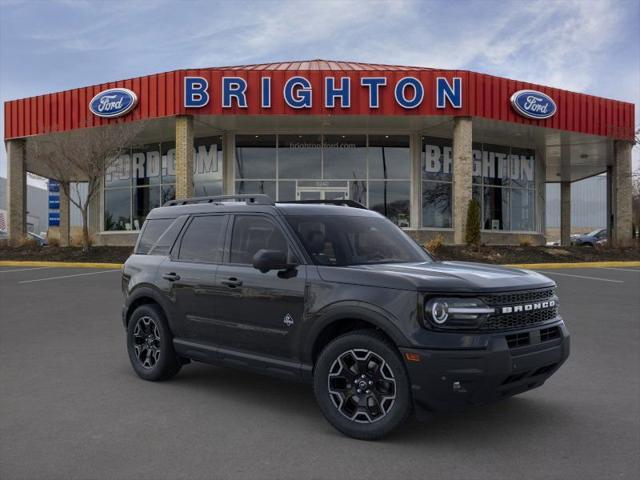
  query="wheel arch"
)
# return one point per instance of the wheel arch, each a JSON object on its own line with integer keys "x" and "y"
{"x": 144, "y": 296}
{"x": 347, "y": 318}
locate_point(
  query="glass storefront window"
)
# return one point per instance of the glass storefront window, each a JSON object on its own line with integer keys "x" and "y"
{"x": 495, "y": 165}
{"x": 522, "y": 209}
{"x": 207, "y": 167}
{"x": 344, "y": 156}
{"x": 168, "y": 162}
{"x": 118, "y": 174}
{"x": 145, "y": 165}
{"x": 389, "y": 157}
{"x": 299, "y": 156}
{"x": 503, "y": 183}
{"x": 391, "y": 199}
{"x": 145, "y": 199}
{"x": 255, "y": 156}
{"x": 117, "y": 209}
{"x": 436, "y": 204}
{"x": 437, "y": 159}
{"x": 496, "y": 208}
{"x": 267, "y": 187}
{"x": 522, "y": 165}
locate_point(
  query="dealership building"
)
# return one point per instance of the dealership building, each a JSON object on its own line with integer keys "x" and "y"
{"x": 415, "y": 144}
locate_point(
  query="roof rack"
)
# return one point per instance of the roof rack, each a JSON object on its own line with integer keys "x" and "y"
{"x": 343, "y": 203}
{"x": 258, "y": 199}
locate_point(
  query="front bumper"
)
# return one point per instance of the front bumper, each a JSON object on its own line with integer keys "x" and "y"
{"x": 512, "y": 362}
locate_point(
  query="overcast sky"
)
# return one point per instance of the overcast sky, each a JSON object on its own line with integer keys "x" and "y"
{"x": 582, "y": 45}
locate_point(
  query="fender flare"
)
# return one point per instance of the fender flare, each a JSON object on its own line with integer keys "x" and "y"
{"x": 148, "y": 291}
{"x": 351, "y": 310}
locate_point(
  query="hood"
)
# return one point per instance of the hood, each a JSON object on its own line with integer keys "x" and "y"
{"x": 449, "y": 277}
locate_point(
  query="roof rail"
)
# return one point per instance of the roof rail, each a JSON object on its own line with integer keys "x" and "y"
{"x": 343, "y": 203}
{"x": 257, "y": 199}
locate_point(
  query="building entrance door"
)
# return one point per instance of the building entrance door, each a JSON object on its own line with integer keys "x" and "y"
{"x": 322, "y": 192}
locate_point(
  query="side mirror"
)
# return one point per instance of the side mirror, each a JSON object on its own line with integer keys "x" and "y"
{"x": 265, "y": 260}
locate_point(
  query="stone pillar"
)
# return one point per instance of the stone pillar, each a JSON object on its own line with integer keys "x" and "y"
{"x": 416, "y": 180}
{"x": 621, "y": 184}
{"x": 565, "y": 213}
{"x": 16, "y": 191}
{"x": 228, "y": 163}
{"x": 65, "y": 216}
{"x": 462, "y": 175}
{"x": 184, "y": 156}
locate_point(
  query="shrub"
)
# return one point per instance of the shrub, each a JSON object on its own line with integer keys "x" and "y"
{"x": 435, "y": 244}
{"x": 472, "y": 234}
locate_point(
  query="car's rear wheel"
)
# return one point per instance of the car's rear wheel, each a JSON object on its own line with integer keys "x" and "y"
{"x": 150, "y": 344}
{"x": 361, "y": 385}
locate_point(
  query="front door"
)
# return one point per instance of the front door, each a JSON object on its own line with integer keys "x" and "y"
{"x": 258, "y": 312}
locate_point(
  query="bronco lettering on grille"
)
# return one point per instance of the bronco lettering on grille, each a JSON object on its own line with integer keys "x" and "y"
{"x": 528, "y": 307}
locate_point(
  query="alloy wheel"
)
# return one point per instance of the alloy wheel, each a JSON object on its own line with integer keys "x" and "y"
{"x": 362, "y": 386}
{"x": 146, "y": 342}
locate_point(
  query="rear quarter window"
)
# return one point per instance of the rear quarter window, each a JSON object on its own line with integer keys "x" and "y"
{"x": 153, "y": 231}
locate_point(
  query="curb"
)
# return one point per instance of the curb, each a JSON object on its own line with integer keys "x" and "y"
{"x": 532, "y": 266}
{"x": 549, "y": 266}
{"x": 29, "y": 263}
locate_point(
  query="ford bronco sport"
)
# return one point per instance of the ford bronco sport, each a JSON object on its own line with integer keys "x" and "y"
{"x": 331, "y": 293}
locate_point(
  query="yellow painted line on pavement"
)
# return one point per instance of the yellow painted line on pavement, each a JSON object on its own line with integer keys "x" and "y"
{"x": 29, "y": 263}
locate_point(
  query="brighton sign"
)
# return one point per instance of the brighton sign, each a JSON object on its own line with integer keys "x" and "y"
{"x": 298, "y": 93}
{"x": 533, "y": 104}
{"x": 113, "y": 103}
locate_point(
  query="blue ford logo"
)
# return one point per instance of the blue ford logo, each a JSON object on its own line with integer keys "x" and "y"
{"x": 533, "y": 104}
{"x": 114, "y": 102}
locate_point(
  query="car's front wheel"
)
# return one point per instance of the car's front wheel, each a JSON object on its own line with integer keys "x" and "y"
{"x": 361, "y": 385}
{"x": 150, "y": 344}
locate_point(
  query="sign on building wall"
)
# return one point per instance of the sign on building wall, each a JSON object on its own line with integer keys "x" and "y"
{"x": 54, "y": 203}
{"x": 152, "y": 162}
{"x": 486, "y": 163}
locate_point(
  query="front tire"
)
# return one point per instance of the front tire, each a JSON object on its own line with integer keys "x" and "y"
{"x": 150, "y": 344}
{"x": 361, "y": 385}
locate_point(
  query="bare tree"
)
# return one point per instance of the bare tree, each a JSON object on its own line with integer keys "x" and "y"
{"x": 82, "y": 156}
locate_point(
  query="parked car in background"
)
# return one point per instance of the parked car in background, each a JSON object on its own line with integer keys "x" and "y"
{"x": 590, "y": 239}
{"x": 39, "y": 239}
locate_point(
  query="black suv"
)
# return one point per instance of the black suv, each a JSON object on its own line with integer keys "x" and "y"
{"x": 336, "y": 295}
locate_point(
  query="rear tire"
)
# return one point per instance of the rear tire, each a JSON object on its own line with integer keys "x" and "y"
{"x": 362, "y": 386}
{"x": 150, "y": 344}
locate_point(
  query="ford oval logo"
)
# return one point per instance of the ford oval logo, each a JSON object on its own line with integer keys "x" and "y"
{"x": 533, "y": 104}
{"x": 114, "y": 102}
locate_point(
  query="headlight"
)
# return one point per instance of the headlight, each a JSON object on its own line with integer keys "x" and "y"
{"x": 456, "y": 312}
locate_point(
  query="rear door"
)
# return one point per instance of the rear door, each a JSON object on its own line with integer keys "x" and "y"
{"x": 191, "y": 275}
{"x": 258, "y": 312}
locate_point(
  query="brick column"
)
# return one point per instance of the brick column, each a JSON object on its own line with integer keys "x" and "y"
{"x": 416, "y": 180}
{"x": 16, "y": 191}
{"x": 228, "y": 163}
{"x": 462, "y": 175}
{"x": 65, "y": 216}
{"x": 565, "y": 213}
{"x": 184, "y": 156}
{"x": 621, "y": 185}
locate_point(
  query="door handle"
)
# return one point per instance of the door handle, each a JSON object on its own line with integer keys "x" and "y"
{"x": 171, "y": 276}
{"x": 232, "y": 282}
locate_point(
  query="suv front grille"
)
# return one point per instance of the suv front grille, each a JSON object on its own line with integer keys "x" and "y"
{"x": 504, "y": 321}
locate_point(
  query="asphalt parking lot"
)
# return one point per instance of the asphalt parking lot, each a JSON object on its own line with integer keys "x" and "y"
{"x": 72, "y": 408}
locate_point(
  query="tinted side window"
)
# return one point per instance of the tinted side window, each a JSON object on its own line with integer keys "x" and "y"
{"x": 168, "y": 238}
{"x": 204, "y": 239}
{"x": 253, "y": 233}
{"x": 151, "y": 232}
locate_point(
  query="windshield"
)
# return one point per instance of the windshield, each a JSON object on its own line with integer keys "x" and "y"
{"x": 344, "y": 240}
